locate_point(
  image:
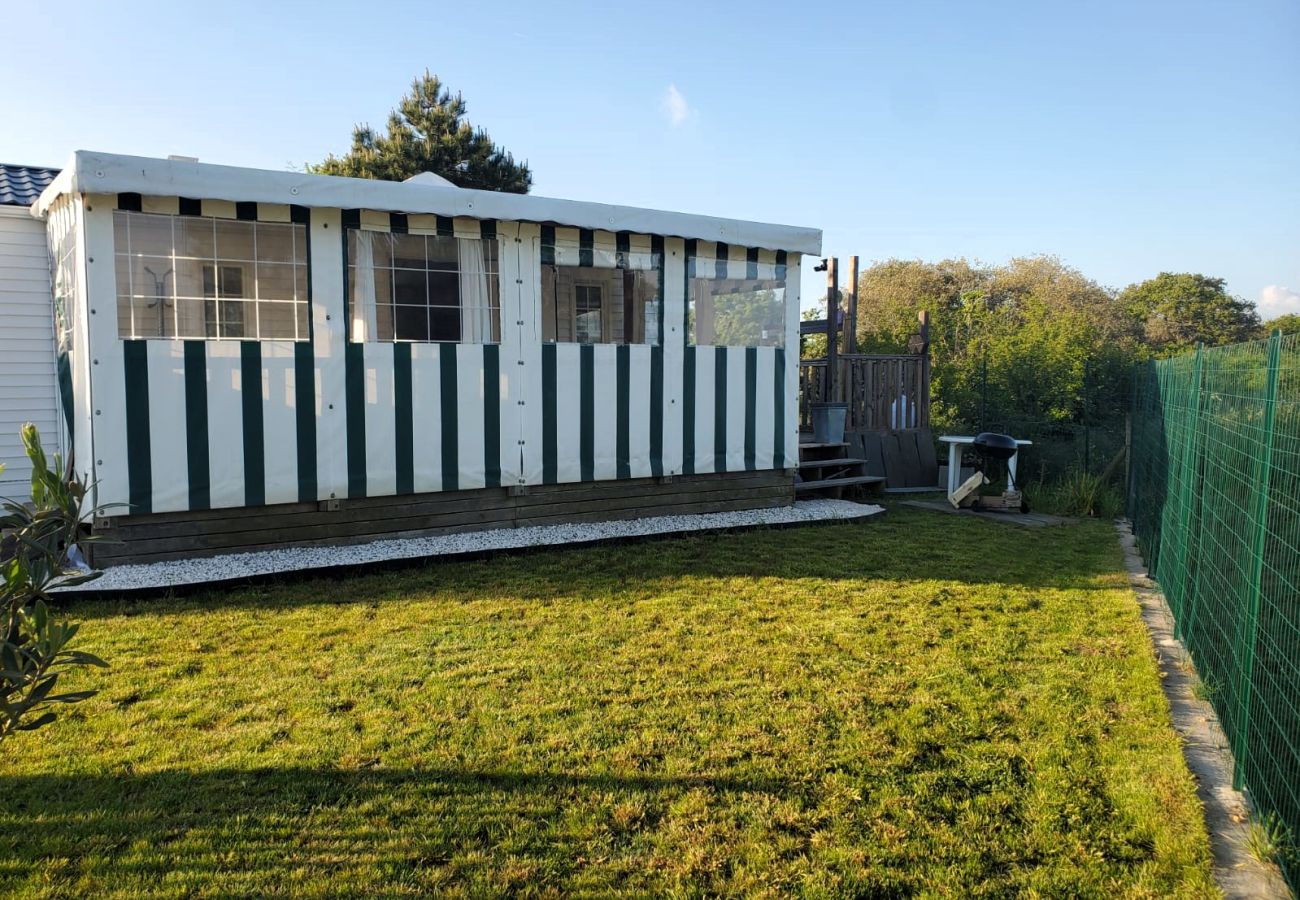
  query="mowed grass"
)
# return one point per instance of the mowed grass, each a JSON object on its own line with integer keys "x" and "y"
{"x": 921, "y": 704}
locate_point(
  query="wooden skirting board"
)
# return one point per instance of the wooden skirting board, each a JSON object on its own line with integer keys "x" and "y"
{"x": 151, "y": 538}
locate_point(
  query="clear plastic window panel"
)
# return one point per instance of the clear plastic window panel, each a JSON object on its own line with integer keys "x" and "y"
{"x": 422, "y": 288}
{"x": 736, "y": 312}
{"x": 63, "y": 248}
{"x": 600, "y": 305}
{"x": 197, "y": 277}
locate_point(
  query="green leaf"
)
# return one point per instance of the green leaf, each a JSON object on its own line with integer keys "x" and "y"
{"x": 65, "y": 581}
{"x": 42, "y": 689}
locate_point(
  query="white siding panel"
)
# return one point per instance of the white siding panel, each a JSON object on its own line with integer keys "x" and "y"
{"x": 568, "y": 414}
{"x": 106, "y": 389}
{"x": 470, "y": 391}
{"x": 638, "y": 430}
{"x": 792, "y": 361}
{"x": 279, "y": 422}
{"x": 381, "y": 421}
{"x": 735, "y": 409}
{"x": 674, "y": 311}
{"x": 426, "y": 417}
{"x": 520, "y": 384}
{"x": 167, "y": 445}
{"x": 704, "y": 405}
{"x": 27, "y": 361}
{"x": 225, "y": 424}
{"x": 327, "y": 264}
{"x": 529, "y": 388}
{"x": 605, "y": 407}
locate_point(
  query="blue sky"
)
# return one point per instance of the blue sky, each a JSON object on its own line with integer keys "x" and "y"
{"x": 1127, "y": 138}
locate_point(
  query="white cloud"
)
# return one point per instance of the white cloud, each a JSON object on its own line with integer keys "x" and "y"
{"x": 675, "y": 106}
{"x": 1276, "y": 300}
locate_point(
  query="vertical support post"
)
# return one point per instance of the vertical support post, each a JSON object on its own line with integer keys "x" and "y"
{"x": 923, "y": 395}
{"x": 851, "y": 326}
{"x": 1128, "y": 462}
{"x": 1260, "y": 519}
{"x": 832, "y": 326}
{"x": 1138, "y": 371}
{"x": 1185, "y": 618}
{"x": 1087, "y": 428}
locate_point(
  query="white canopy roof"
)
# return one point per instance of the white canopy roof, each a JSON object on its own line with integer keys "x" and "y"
{"x": 107, "y": 173}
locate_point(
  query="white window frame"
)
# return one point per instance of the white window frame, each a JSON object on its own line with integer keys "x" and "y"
{"x": 252, "y": 301}
{"x": 480, "y": 323}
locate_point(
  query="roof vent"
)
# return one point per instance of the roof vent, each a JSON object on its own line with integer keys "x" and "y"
{"x": 172, "y": 157}
{"x": 429, "y": 178}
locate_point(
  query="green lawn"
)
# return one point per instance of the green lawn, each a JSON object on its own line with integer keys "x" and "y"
{"x": 921, "y": 704}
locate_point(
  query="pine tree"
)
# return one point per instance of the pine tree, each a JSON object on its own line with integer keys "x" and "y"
{"x": 428, "y": 133}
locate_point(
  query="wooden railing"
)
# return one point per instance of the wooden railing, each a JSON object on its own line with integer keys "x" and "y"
{"x": 884, "y": 392}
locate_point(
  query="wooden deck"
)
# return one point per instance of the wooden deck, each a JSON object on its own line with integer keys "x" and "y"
{"x": 151, "y": 538}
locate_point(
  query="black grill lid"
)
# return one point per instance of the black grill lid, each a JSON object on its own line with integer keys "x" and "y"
{"x": 992, "y": 445}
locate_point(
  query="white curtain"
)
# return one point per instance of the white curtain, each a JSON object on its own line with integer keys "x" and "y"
{"x": 475, "y": 314}
{"x": 364, "y": 324}
{"x": 902, "y": 413}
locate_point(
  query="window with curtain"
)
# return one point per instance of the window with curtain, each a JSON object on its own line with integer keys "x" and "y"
{"x": 599, "y": 305}
{"x": 736, "y": 312}
{"x": 207, "y": 278}
{"x": 426, "y": 288}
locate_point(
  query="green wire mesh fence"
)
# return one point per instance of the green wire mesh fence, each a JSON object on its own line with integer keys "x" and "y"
{"x": 1214, "y": 497}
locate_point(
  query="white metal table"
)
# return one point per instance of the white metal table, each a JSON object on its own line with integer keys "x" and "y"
{"x": 955, "y": 442}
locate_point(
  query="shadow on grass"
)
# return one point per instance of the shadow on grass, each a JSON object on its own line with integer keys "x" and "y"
{"x": 221, "y": 792}
{"x": 200, "y": 823}
{"x": 907, "y": 546}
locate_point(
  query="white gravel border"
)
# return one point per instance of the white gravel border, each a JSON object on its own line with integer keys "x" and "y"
{"x": 235, "y": 566}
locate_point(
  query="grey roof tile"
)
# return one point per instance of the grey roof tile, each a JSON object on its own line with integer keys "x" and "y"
{"x": 21, "y": 185}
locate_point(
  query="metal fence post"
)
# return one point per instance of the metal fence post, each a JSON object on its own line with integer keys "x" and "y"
{"x": 1130, "y": 493}
{"x": 1241, "y": 743}
{"x": 1185, "y": 618}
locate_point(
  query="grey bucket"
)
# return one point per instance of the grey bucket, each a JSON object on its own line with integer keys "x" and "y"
{"x": 828, "y": 422}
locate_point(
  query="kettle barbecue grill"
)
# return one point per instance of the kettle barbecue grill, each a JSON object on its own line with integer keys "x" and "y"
{"x": 993, "y": 448}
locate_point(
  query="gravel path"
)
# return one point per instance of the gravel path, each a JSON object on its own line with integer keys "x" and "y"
{"x": 236, "y": 566}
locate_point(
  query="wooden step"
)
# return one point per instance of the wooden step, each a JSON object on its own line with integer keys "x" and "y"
{"x": 827, "y": 463}
{"x": 837, "y": 482}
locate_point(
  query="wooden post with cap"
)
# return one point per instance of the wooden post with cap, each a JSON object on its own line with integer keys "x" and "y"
{"x": 851, "y": 325}
{"x": 923, "y": 395}
{"x": 832, "y": 325}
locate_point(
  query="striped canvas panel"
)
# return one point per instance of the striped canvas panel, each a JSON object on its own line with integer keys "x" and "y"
{"x": 427, "y": 417}
{"x": 175, "y": 421}
{"x": 278, "y": 454}
{"x": 738, "y": 403}
{"x": 321, "y": 367}
{"x": 224, "y": 370}
{"x": 564, "y": 246}
{"x": 206, "y": 424}
{"x": 400, "y": 223}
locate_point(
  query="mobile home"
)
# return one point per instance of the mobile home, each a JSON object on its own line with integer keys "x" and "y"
{"x": 256, "y": 358}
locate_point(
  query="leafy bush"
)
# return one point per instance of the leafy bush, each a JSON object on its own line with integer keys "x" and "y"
{"x": 34, "y": 559}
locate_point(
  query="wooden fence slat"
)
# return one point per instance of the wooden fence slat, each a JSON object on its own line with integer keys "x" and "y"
{"x": 874, "y": 386}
